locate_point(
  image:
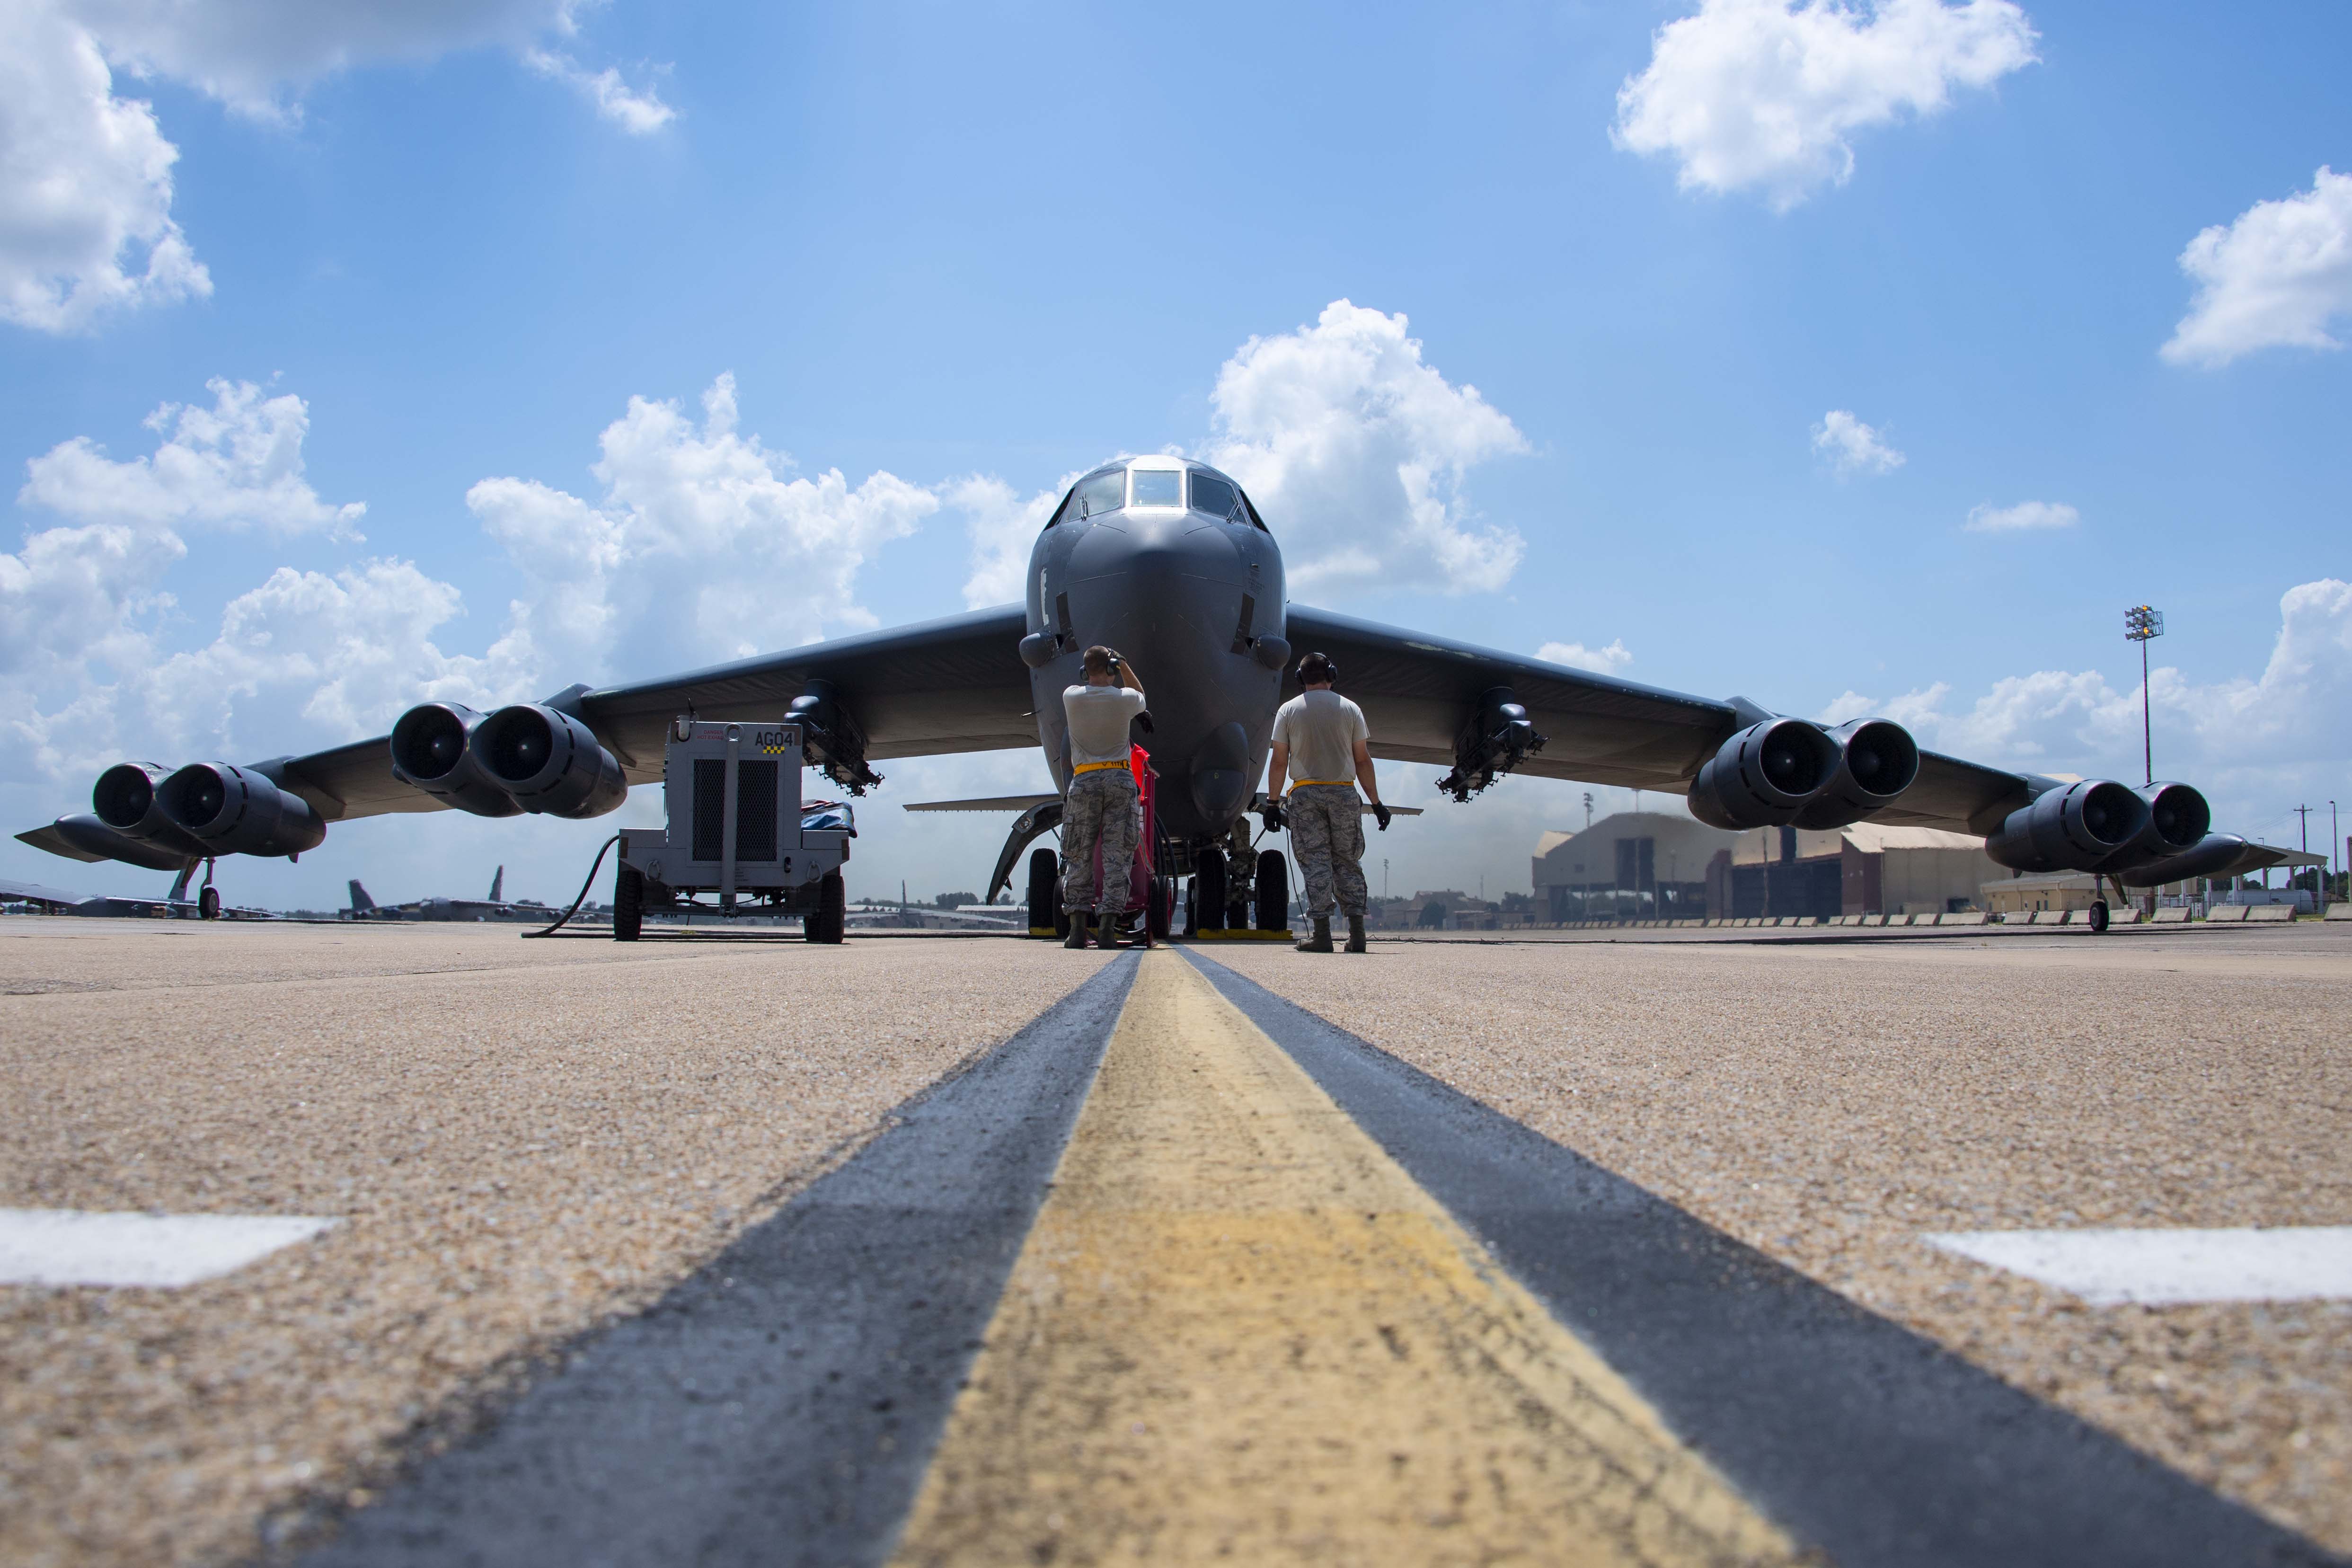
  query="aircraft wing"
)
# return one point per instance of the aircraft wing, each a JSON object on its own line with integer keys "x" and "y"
{"x": 1415, "y": 690}
{"x": 951, "y": 685}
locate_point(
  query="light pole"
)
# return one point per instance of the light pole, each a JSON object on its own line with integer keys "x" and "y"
{"x": 1588, "y": 808}
{"x": 2143, "y": 626}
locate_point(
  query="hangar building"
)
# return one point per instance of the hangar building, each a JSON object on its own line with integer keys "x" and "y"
{"x": 1658, "y": 866}
{"x": 1633, "y": 866}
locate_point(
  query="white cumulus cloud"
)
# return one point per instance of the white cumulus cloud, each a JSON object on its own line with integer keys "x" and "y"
{"x": 638, "y": 111}
{"x": 237, "y": 464}
{"x": 2026, "y": 515}
{"x": 256, "y": 55}
{"x": 705, "y": 543}
{"x": 86, "y": 225}
{"x": 2250, "y": 742}
{"x": 2275, "y": 277}
{"x": 1355, "y": 450}
{"x": 1853, "y": 447}
{"x": 1762, "y": 94}
{"x": 1576, "y": 656}
{"x": 1001, "y": 525}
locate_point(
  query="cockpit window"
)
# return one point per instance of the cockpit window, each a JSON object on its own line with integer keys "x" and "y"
{"x": 1159, "y": 487}
{"x": 1104, "y": 492}
{"x": 1212, "y": 495}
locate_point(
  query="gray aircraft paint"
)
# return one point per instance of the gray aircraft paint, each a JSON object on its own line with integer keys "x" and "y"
{"x": 1165, "y": 586}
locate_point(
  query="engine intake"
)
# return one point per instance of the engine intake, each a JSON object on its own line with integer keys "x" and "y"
{"x": 2078, "y": 828}
{"x": 431, "y": 752}
{"x": 1765, "y": 776}
{"x": 232, "y": 810}
{"x": 125, "y": 799}
{"x": 1877, "y": 761}
{"x": 548, "y": 761}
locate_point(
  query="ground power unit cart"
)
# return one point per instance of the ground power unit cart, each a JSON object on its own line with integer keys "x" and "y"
{"x": 735, "y": 827}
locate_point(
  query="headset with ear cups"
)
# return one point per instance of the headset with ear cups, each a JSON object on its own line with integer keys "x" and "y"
{"x": 1330, "y": 668}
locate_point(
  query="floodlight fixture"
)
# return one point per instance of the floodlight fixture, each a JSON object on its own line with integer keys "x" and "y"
{"x": 2142, "y": 623}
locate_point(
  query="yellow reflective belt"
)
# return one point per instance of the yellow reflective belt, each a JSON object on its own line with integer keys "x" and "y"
{"x": 1303, "y": 783}
{"x": 1096, "y": 767}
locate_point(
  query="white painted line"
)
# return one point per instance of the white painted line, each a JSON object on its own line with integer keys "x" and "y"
{"x": 72, "y": 1246}
{"x": 2168, "y": 1267}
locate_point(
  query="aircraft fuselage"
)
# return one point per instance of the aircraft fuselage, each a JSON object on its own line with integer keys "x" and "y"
{"x": 1194, "y": 600}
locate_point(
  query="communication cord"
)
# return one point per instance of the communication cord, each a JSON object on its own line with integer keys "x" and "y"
{"x": 582, "y": 898}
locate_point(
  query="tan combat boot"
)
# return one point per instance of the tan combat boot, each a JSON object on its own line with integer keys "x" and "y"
{"x": 1355, "y": 934}
{"x": 1321, "y": 940}
{"x": 1077, "y": 937}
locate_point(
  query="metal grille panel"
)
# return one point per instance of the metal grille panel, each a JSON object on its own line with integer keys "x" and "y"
{"x": 709, "y": 807}
{"x": 755, "y": 810}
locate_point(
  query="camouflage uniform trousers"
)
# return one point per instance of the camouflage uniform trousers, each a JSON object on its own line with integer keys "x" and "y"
{"x": 1102, "y": 807}
{"x": 1326, "y": 834}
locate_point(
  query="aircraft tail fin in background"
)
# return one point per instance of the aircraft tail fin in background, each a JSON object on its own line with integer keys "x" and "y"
{"x": 361, "y": 903}
{"x": 498, "y": 883}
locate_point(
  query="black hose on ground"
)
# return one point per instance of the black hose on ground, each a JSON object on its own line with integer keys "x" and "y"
{"x": 582, "y": 898}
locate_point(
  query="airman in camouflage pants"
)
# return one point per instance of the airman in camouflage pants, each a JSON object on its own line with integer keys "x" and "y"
{"x": 1326, "y": 834}
{"x": 1103, "y": 809}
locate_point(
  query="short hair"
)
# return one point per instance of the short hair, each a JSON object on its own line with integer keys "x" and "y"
{"x": 1099, "y": 661}
{"x": 1316, "y": 668}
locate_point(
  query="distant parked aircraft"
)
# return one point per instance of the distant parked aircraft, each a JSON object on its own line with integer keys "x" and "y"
{"x": 494, "y": 908}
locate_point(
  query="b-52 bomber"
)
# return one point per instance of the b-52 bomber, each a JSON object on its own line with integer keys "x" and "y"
{"x": 1168, "y": 561}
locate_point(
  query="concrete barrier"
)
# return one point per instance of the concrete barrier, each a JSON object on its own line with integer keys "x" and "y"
{"x": 2340, "y": 911}
{"x": 2172, "y": 915}
{"x": 1964, "y": 918}
{"x": 2227, "y": 913}
{"x": 2271, "y": 913}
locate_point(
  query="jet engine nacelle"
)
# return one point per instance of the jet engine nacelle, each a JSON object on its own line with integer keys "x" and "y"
{"x": 430, "y": 752}
{"x": 2076, "y": 827}
{"x": 548, "y": 761}
{"x": 127, "y": 798}
{"x": 1877, "y": 761}
{"x": 1765, "y": 776}
{"x": 232, "y": 810}
{"x": 2178, "y": 821}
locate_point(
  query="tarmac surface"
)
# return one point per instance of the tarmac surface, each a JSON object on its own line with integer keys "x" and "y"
{"x": 1471, "y": 1250}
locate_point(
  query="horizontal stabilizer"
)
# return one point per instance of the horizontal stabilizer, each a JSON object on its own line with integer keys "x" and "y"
{"x": 985, "y": 802}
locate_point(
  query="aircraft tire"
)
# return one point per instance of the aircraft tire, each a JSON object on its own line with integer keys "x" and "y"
{"x": 628, "y": 903}
{"x": 2098, "y": 914}
{"x": 1208, "y": 891}
{"x": 1046, "y": 892}
{"x": 208, "y": 904}
{"x": 1273, "y": 890}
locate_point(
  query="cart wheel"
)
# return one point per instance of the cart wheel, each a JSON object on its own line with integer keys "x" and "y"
{"x": 208, "y": 904}
{"x": 628, "y": 903}
{"x": 830, "y": 918}
{"x": 1163, "y": 898}
{"x": 1045, "y": 892}
{"x": 1273, "y": 891}
{"x": 1208, "y": 891}
{"x": 2098, "y": 914}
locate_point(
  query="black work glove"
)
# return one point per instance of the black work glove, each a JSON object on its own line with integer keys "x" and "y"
{"x": 1276, "y": 822}
{"x": 1381, "y": 813}
{"x": 1143, "y": 720}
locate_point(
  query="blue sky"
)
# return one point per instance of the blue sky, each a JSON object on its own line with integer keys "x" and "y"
{"x": 933, "y": 246}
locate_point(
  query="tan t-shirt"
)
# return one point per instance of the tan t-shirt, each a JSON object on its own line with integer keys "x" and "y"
{"x": 1098, "y": 716}
{"x": 1321, "y": 729}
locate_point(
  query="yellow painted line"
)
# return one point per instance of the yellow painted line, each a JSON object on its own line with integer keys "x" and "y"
{"x": 1240, "y": 1332}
